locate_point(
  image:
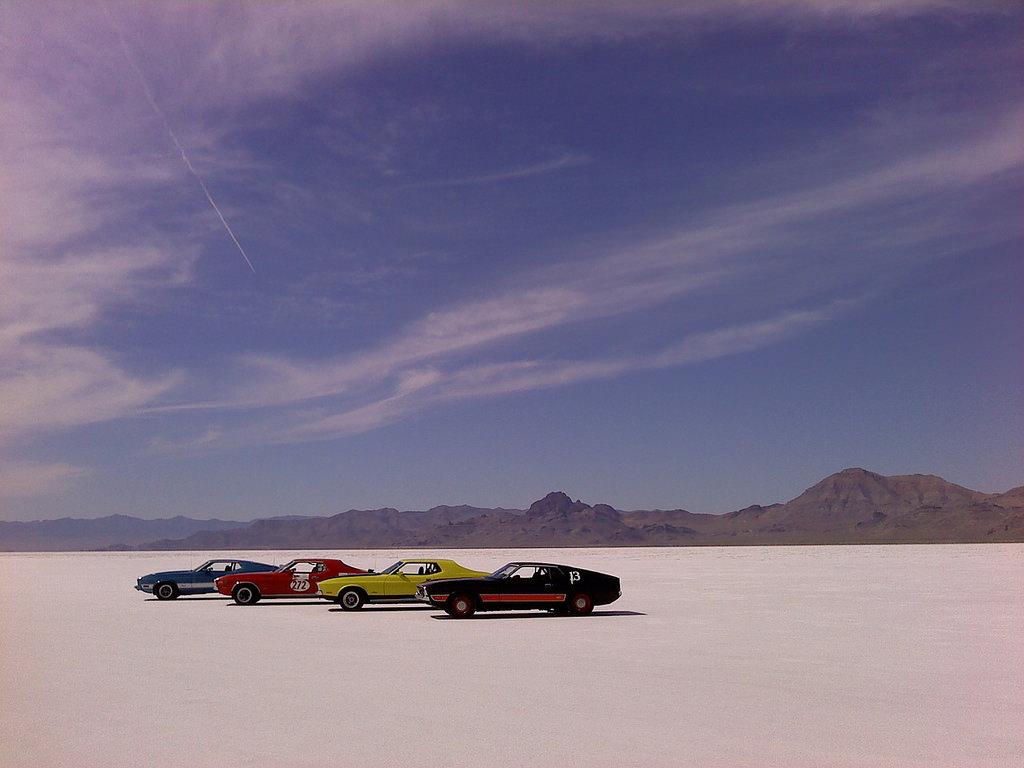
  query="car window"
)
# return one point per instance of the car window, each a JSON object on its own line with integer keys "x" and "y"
{"x": 533, "y": 572}
{"x": 218, "y": 567}
{"x": 419, "y": 569}
{"x": 304, "y": 566}
{"x": 523, "y": 572}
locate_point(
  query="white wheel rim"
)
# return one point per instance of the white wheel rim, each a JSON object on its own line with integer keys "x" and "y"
{"x": 581, "y": 603}
{"x": 351, "y": 599}
{"x": 165, "y": 591}
{"x": 244, "y": 595}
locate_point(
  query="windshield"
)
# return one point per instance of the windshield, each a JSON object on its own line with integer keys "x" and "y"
{"x": 393, "y": 567}
{"x": 288, "y": 566}
{"x": 504, "y": 573}
{"x": 206, "y": 565}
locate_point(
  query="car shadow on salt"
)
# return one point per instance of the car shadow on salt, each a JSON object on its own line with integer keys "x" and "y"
{"x": 595, "y": 614}
{"x": 382, "y": 608}
{"x": 266, "y": 602}
{"x": 186, "y": 599}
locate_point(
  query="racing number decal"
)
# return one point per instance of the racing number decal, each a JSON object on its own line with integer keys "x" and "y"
{"x": 574, "y": 576}
{"x": 300, "y": 582}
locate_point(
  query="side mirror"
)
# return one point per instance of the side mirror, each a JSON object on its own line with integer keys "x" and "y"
{"x": 370, "y": 570}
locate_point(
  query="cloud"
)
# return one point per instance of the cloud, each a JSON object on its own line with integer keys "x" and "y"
{"x": 33, "y": 479}
{"x": 208, "y": 438}
{"x": 58, "y": 278}
{"x": 490, "y": 380}
{"x": 47, "y": 382}
{"x": 746, "y": 241}
{"x": 571, "y": 160}
{"x": 83, "y": 160}
{"x": 232, "y": 55}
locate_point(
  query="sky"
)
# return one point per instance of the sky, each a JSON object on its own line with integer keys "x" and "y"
{"x": 295, "y": 258}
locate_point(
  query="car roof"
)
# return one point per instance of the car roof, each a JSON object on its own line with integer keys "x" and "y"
{"x": 530, "y": 562}
{"x": 426, "y": 560}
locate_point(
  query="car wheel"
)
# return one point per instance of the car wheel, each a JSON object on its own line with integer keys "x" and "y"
{"x": 245, "y": 594}
{"x": 352, "y": 599}
{"x": 581, "y": 604}
{"x": 167, "y": 590}
{"x": 460, "y": 606}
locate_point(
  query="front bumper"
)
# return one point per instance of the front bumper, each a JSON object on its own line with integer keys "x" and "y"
{"x": 423, "y": 597}
{"x": 144, "y": 588}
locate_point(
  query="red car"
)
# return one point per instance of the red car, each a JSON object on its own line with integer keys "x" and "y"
{"x": 299, "y": 578}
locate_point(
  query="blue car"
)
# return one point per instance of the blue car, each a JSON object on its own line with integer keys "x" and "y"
{"x": 168, "y": 585}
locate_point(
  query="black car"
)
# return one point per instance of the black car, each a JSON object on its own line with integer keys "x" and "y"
{"x": 559, "y": 588}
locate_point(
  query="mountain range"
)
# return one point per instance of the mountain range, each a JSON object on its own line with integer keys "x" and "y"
{"x": 851, "y": 506}
{"x": 124, "y": 531}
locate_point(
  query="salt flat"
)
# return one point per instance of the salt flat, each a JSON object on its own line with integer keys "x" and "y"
{"x": 794, "y": 656}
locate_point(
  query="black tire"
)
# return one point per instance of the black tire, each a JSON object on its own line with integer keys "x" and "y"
{"x": 561, "y": 610}
{"x": 581, "y": 604}
{"x": 351, "y": 599}
{"x": 166, "y": 590}
{"x": 460, "y": 606}
{"x": 246, "y": 594}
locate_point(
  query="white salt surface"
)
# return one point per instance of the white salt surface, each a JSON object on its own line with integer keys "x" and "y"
{"x": 802, "y": 656}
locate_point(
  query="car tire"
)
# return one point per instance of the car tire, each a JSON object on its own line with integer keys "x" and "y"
{"x": 166, "y": 590}
{"x": 581, "y": 604}
{"x": 351, "y": 599}
{"x": 460, "y": 606}
{"x": 245, "y": 594}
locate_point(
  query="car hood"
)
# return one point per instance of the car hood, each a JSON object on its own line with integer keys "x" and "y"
{"x": 161, "y": 575}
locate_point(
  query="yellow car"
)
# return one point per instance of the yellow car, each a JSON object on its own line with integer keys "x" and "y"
{"x": 395, "y": 584}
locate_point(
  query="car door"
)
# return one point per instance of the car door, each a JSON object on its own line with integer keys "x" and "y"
{"x": 539, "y": 585}
{"x": 202, "y": 581}
{"x": 403, "y": 582}
{"x": 555, "y": 585}
{"x": 319, "y": 573}
{"x": 304, "y": 576}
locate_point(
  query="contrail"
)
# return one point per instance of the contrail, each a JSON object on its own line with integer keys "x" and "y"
{"x": 170, "y": 132}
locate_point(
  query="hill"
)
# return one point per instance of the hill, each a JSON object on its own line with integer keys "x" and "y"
{"x": 851, "y": 506}
{"x": 124, "y": 531}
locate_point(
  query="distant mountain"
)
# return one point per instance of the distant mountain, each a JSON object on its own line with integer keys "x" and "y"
{"x": 555, "y": 521}
{"x": 118, "y": 531}
{"x": 851, "y": 506}
{"x": 857, "y": 505}
{"x": 359, "y": 528}
{"x": 1012, "y": 499}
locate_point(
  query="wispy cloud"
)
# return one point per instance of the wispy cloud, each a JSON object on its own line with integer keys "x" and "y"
{"x": 61, "y": 272}
{"x": 570, "y": 160}
{"x": 474, "y": 381}
{"x": 81, "y": 158}
{"x": 161, "y": 444}
{"x": 731, "y": 244}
